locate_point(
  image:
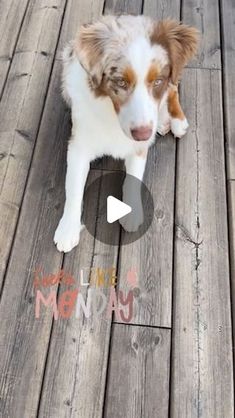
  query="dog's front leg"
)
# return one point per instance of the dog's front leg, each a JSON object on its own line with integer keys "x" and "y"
{"x": 135, "y": 166}
{"x": 178, "y": 121}
{"x": 68, "y": 231}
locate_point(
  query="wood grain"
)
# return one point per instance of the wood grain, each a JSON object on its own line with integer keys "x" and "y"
{"x": 138, "y": 378}
{"x": 25, "y": 339}
{"x": 23, "y": 353}
{"x": 231, "y": 213}
{"x": 123, "y": 6}
{"x": 22, "y": 105}
{"x": 151, "y": 255}
{"x": 11, "y": 19}
{"x": 202, "y": 341}
{"x": 228, "y": 36}
{"x": 204, "y": 16}
{"x": 83, "y": 343}
{"x": 63, "y": 368}
{"x": 162, "y": 9}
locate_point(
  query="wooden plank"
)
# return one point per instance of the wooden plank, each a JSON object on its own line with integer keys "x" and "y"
{"x": 24, "y": 351}
{"x": 123, "y": 6}
{"x": 22, "y": 104}
{"x": 231, "y": 212}
{"x": 228, "y": 37}
{"x": 138, "y": 381}
{"x": 84, "y": 345}
{"x": 11, "y": 18}
{"x": 204, "y": 15}
{"x": 151, "y": 256}
{"x": 202, "y": 380}
{"x": 8, "y": 220}
{"x": 162, "y": 9}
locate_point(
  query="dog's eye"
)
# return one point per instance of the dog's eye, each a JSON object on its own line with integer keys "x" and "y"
{"x": 120, "y": 82}
{"x": 157, "y": 82}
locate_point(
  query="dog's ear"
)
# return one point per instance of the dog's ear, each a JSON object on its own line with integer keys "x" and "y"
{"x": 181, "y": 42}
{"x": 90, "y": 47}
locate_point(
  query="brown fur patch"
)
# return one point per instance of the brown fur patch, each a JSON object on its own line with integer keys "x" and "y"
{"x": 130, "y": 76}
{"x": 153, "y": 73}
{"x": 90, "y": 45}
{"x": 179, "y": 40}
{"x": 174, "y": 106}
{"x": 109, "y": 86}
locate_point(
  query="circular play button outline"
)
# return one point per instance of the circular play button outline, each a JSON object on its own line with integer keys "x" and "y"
{"x": 129, "y": 191}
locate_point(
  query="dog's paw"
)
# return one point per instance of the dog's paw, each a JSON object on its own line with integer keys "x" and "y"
{"x": 164, "y": 128}
{"x": 133, "y": 220}
{"x": 179, "y": 127}
{"x": 67, "y": 235}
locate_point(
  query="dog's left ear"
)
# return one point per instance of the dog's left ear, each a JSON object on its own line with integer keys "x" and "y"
{"x": 90, "y": 47}
{"x": 180, "y": 41}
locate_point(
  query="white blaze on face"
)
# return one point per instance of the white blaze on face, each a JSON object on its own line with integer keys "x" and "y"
{"x": 141, "y": 109}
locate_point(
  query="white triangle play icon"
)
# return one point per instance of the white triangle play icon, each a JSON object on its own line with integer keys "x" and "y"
{"x": 116, "y": 209}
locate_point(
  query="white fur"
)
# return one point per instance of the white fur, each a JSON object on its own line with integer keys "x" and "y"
{"x": 141, "y": 109}
{"x": 179, "y": 127}
{"x": 97, "y": 130}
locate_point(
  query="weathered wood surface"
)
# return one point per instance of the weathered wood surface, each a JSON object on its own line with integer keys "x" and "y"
{"x": 162, "y": 9}
{"x": 204, "y": 15}
{"x": 202, "y": 380}
{"x": 59, "y": 368}
{"x": 151, "y": 256}
{"x": 231, "y": 212}
{"x": 25, "y": 339}
{"x": 84, "y": 344}
{"x": 228, "y": 53}
{"x": 123, "y": 6}
{"x": 138, "y": 381}
{"x": 12, "y": 14}
{"x": 21, "y": 109}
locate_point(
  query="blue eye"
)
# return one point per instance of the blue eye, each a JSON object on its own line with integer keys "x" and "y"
{"x": 158, "y": 82}
{"x": 121, "y": 83}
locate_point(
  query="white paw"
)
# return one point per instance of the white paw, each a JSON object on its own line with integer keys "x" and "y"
{"x": 164, "y": 128}
{"x": 67, "y": 234}
{"x": 134, "y": 219}
{"x": 179, "y": 127}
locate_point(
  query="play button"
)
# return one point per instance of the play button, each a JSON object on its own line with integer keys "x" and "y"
{"x": 116, "y": 209}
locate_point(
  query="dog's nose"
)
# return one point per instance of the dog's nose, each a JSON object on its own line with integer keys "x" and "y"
{"x": 143, "y": 133}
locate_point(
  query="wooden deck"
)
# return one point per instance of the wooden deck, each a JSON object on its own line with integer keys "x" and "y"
{"x": 175, "y": 357}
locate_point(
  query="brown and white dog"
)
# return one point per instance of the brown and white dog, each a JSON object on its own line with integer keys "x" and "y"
{"x": 121, "y": 80}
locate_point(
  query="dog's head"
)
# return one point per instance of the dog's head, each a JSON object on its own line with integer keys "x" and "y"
{"x": 132, "y": 60}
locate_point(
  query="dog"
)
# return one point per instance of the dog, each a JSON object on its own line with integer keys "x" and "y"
{"x": 120, "y": 78}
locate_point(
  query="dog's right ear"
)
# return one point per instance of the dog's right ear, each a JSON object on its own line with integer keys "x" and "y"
{"x": 90, "y": 47}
